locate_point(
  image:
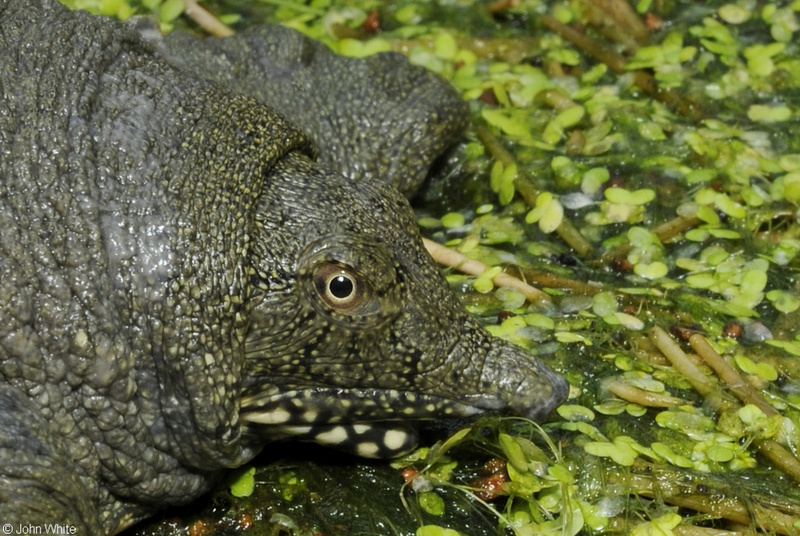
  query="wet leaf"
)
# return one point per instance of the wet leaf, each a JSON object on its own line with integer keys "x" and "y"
{"x": 243, "y": 482}
{"x": 434, "y": 530}
{"x": 574, "y": 412}
{"x": 619, "y": 451}
{"x": 783, "y": 301}
{"x": 769, "y": 114}
{"x": 513, "y": 452}
{"x": 660, "y": 526}
{"x": 431, "y": 503}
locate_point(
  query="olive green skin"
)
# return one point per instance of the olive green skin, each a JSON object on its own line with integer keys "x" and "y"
{"x": 167, "y": 244}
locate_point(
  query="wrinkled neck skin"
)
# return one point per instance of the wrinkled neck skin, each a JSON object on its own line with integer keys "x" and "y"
{"x": 127, "y": 197}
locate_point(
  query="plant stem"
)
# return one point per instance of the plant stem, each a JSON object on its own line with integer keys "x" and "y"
{"x": 549, "y": 280}
{"x": 708, "y": 387}
{"x": 618, "y": 63}
{"x": 635, "y": 395}
{"x": 462, "y": 263}
{"x": 702, "y": 383}
{"x": 205, "y": 19}
{"x": 664, "y": 232}
{"x": 740, "y": 387}
{"x": 566, "y": 230}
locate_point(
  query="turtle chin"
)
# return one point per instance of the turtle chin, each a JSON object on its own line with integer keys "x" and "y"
{"x": 366, "y": 422}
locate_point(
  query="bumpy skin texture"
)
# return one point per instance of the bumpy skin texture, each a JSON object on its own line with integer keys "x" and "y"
{"x": 180, "y": 281}
{"x": 382, "y": 119}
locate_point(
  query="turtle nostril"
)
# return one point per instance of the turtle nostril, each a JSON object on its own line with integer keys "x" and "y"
{"x": 522, "y": 384}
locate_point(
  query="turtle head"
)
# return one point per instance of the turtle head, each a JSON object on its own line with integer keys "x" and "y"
{"x": 355, "y": 335}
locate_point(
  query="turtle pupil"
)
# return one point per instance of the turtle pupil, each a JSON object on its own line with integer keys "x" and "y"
{"x": 341, "y": 286}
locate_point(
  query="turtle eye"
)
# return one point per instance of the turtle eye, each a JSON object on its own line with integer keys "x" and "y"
{"x": 340, "y": 287}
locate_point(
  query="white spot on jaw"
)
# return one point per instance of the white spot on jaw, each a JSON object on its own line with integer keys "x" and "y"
{"x": 361, "y": 428}
{"x": 335, "y": 436}
{"x": 367, "y": 450}
{"x": 276, "y": 416}
{"x": 395, "y": 439}
{"x": 296, "y": 430}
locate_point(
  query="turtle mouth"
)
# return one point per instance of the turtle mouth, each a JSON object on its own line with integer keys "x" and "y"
{"x": 370, "y": 423}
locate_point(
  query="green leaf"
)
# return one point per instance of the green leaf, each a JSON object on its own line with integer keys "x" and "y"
{"x": 783, "y": 301}
{"x": 651, "y": 131}
{"x": 171, "y": 10}
{"x": 513, "y": 452}
{"x": 509, "y": 123}
{"x": 435, "y": 530}
{"x": 547, "y": 212}
{"x": 668, "y": 454}
{"x": 734, "y": 14}
{"x": 539, "y": 321}
{"x": 432, "y": 503}
{"x": 552, "y": 216}
{"x": 571, "y": 116}
{"x": 792, "y": 347}
{"x": 593, "y": 180}
{"x": 628, "y": 321}
{"x": 561, "y": 473}
{"x": 721, "y": 452}
{"x": 753, "y": 282}
{"x": 708, "y": 215}
{"x": 604, "y": 303}
{"x": 653, "y": 270}
{"x": 702, "y": 280}
{"x": 729, "y": 206}
{"x": 453, "y": 219}
{"x": 618, "y": 450}
{"x": 660, "y": 526}
{"x": 612, "y": 406}
{"x": 575, "y": 412}
{"x": 638, "y": 197}
{"x": 451, "y": 441}
{"x": 110, "y": 7}
{"x": 445, "y": 46}
{"x": 763, "y": 370}
{"x": 769, "y": 114}
{"x": 361, "y": 49}
{"x": 584, "y": 428}
{"x": 568, "y": 337}
{"x": 243, "y": 482}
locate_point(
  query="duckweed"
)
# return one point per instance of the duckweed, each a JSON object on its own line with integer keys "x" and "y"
{"x": 547, "y": 212}
{"x": 762, "y": 113}
{"x": 242, "y": 482}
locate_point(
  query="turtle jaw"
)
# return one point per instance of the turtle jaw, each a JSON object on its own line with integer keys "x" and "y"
{"x": 365, "y": 422}
{"x": 377, "y": 440}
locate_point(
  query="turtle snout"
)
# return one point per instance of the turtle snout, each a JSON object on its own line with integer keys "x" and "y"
{"x": 522, "y": 384}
